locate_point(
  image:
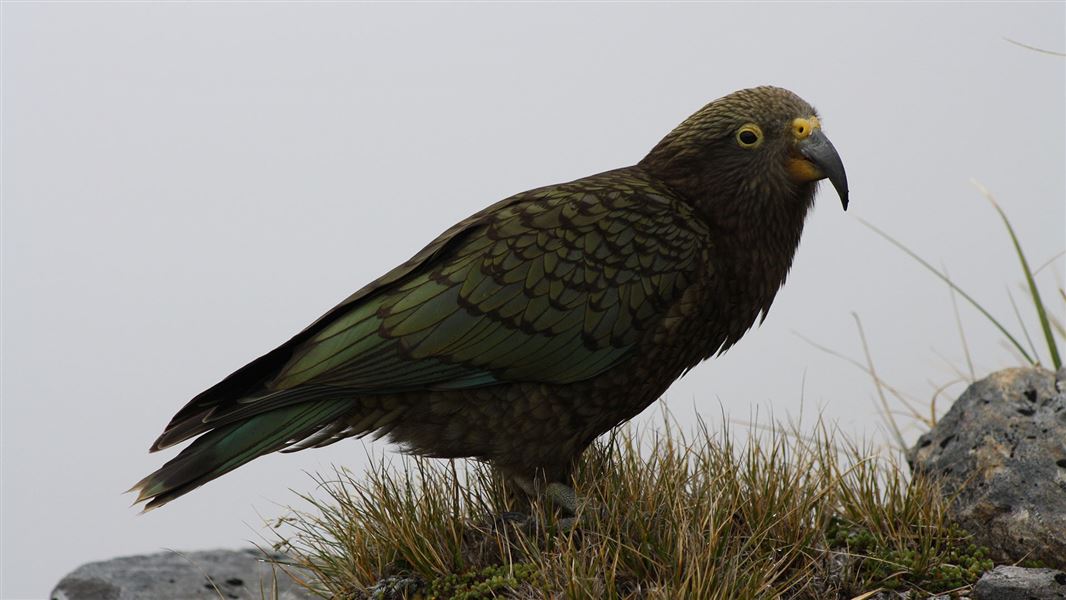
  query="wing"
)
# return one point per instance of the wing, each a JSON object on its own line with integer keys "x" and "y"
{"x": 555, "y": 285}
{"x": 554, "y": 288}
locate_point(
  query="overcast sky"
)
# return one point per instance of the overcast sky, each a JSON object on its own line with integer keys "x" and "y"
{"x": 187, "y": 185}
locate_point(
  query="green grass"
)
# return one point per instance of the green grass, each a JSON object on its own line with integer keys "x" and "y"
{"x": 769, "y": 514}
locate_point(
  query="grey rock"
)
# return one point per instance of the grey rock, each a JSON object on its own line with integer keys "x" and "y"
{"x": 1016, "y": 583}
{"x": 1001, "y": 452}
{"x": 215, "y": 574}
{"x": 892, "y": 595}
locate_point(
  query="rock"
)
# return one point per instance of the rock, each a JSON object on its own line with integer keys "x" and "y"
{"x": 215, "y": 574}
{"x": 891, "y": 595}
{"x": 1002, "y": 449}
{"x": 1016, "y": 583}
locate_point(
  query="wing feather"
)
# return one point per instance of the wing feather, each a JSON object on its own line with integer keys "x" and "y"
{"x": 553, "y": 286}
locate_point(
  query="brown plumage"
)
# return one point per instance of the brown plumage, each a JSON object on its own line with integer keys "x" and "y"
{"x": 525, "y": 331}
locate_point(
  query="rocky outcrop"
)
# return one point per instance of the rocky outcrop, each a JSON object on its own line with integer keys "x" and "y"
{"x": 1001, "y": 451}
{"x": 214, "y": 574}
{"x": 1016, "y": 583}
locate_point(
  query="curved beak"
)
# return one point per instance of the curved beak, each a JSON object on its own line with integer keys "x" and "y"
{"x": 820, "y": 151}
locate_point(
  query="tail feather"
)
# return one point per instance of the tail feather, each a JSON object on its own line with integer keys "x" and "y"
{"x": 238, "y": 410}
{"x": 221, "y": 450}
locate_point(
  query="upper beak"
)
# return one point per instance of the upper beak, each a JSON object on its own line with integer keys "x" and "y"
{"x": 819, "y": 150}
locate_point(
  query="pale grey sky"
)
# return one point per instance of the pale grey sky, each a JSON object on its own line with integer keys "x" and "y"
{"x": 187, "y": 185}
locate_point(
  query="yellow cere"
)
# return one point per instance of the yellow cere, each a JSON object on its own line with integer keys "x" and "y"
{"x": 802, "y": 128}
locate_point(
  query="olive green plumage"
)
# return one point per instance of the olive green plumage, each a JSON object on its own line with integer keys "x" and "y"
{"x": 528, "y": 329}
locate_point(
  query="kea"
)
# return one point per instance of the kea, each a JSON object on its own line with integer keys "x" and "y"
{"x": 529, "y": 329}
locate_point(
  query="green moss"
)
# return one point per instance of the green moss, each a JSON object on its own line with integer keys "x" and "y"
{"x": 478, "y": 585}
{"x": 951, "y": 563}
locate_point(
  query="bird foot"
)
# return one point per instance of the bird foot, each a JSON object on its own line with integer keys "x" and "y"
{"x": 559, "y": 495}
{"x": 514, "y": 520}
{"x": 530, "y": 524}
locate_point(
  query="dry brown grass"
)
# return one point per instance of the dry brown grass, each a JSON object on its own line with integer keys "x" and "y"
{"x": 773, "y": 514}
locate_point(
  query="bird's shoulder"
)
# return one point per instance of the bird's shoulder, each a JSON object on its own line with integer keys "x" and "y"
{"x": 585, "y": 266}
{"x": 621, "y": 218}
{"x": 608, "y": 201}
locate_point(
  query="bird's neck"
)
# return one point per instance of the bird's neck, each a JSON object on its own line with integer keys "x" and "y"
{"x": 752, "y": 251}
{"x": 760, "y": 236}
{"x": 753, "y": 221}
{"x": 754, "y": 233}
{"x": 760, "y": 225}
{"x": 754, "y": 225}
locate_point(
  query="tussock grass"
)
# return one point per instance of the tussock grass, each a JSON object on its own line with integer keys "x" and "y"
{"x": 766, "y": 513}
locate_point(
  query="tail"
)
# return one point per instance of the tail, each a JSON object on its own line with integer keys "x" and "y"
{"x": 225, "y": 448}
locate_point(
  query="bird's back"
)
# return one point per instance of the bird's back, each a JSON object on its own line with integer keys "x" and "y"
{"x": 559, "y": 288}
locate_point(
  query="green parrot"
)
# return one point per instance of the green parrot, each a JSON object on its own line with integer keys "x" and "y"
{"x": 530, "y": 328}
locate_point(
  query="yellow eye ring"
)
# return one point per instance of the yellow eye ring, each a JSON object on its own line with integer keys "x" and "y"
{"x": 749, "y": 136}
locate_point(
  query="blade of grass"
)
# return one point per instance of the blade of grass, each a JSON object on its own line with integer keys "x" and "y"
{"x": 1034, "y": 48}
{"x": 958, "y": 325}
{"x": 877, "y": 383}
{"x": 1057, "y": 324}
{"x": 955, "y": 287}
{"x": 936, "y": 393}
{"x": 950, "y": 365}
{"x": 1048, "y": 263}
{"x": 1037, "y": 302}
{"x": 895, "y": 392}
{"x": 1021, "y": 322}
{"x": 1013, "y": 352}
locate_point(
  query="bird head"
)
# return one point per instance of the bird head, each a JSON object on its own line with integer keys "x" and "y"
{"x": 760, "y": 148}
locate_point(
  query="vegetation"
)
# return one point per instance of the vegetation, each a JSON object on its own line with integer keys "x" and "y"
{"x": 773, "y": 514}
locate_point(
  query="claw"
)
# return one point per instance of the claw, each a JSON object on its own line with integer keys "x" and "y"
{"x": 568, "y": 524}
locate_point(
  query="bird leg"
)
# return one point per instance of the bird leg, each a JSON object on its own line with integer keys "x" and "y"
{"x": 562, "y": 496}
{"x": 565, "y": 498}
{"x": 559, "y": 495}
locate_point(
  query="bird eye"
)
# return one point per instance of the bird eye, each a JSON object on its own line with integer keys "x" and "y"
{"x": 749, "y": 136}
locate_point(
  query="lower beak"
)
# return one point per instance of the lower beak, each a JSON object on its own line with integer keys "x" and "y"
{"x": 820, "y": 151}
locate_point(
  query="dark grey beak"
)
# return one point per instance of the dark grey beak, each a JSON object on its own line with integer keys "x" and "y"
{"x": 819, "y": 150}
